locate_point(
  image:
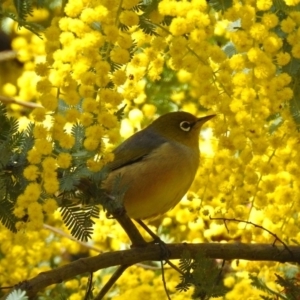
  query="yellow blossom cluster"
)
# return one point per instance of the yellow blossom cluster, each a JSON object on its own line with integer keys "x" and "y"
{"x": 252, "y": 175}
{"x": 248, "y": 170}
{"x": 235, "y": 62}
{"x": 29, "y": 254}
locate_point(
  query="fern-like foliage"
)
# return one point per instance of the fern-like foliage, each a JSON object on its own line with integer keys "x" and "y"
{"x": 123, "y": 27}
{"x": 218, "y": 5}
{"x": 13, "y": 148}
{"x": 201, "y": 273}
{"x": 147, "y": 26}
{"x": 105, "y": 49}
{"x": 293, "y": 69}
{"x": 7, "y": 217}
{"x": 291, "y": 286}
{"x": 80, "y": 194}
{"x": 281, "y": 5}
{"x": 144, "y": 8}
{"x": 24, "y": 8}
{"x": 261, "y": 285}
{"x": 78, "y": 208}
{"x": 120, "y": 112}
{"x": 79, "y": 221}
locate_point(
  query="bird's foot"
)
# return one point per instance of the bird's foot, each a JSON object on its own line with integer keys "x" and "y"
{"x": 164, "y": 251}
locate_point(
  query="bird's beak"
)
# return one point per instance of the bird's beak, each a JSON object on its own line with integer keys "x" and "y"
{"x": 203, "y": 120}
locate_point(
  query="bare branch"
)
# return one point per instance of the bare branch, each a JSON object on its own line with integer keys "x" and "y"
{"x": 8, "y": 55}
{"x": 112, "y": 280}
{"x": 8, "y": 100}
{"x": 253, "y": 252}
{"x": 276, "y": 238}
{"x": 164, "y": 280}
{"x": 89, "y": 287}
{"x": 71, "y": 238}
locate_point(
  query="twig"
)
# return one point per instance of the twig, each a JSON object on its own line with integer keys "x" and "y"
{"x": 9, "y": 100}
{"x": 174, "y": 267}
{"x": 89, "y": 287}
{"x": 137, "y": 241}
{"x": 7, "y": 55}
{"x": 112, "y": 280}
{"x": 164, "y": 280}
{"x": 255, "y": 225}
{"x": 148, "y": 267}
{"x": 220, "y": 273}
{"x": 62, "y": 233}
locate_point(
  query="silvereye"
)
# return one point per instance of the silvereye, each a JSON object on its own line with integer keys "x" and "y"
{"x": 157, "y": 165}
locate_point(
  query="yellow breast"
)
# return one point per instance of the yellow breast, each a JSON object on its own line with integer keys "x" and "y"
{"x": 158, "y": 182}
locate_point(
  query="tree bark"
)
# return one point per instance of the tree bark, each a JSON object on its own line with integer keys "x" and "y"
{"x": 152, "y": 252}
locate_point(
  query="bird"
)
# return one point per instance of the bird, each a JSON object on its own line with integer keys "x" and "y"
{"x": 157, "y": 165}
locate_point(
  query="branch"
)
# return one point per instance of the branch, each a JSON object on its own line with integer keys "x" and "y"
{"x": 111, "y": 282}
{"x": 7, "y": 100}
{"x": 253, "y": 252}
{"x": 276, "y": 238}
{"x": 7, "y": 55}
{"x": 71, "y": 238}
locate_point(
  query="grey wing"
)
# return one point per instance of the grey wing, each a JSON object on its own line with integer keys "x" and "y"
{"x": 136, "y": 148}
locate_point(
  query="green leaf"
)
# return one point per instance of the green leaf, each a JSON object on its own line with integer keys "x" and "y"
{"x": 24, "y": 8}
{"x": 70, "y": 178}
{"x": 281, "y": 5}
{"x": 293, "y": 67}
{"x": 120, "y": 113}
{"x": 33, "y": 27}
{"x": 203, "y": 274}
{"x": 78, "y": 132}
{"x": 295, "y": 103}
{"x": 78, "y": 220}
{"x": 147, "y": 26}
{"x": 7, "y": 218}
{"x": 229, "y": 49}
{"x": 291, "y": 286}
{"x": 260, "y": 284}
{"x": 219, "y": 5}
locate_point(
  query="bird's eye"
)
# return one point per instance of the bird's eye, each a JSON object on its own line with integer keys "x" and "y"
{"x": 185, "y": 126}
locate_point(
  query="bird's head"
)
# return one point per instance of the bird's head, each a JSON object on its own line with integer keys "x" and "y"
{"x": 180, "y": 126}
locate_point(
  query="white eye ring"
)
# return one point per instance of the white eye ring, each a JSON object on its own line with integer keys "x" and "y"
{"x": 185, "y": 126}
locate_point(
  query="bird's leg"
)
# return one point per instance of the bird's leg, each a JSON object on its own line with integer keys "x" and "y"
{"x": 116, "y": 210}
{"x": 134, "y": 235}
{"x": 156, "y": 240}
